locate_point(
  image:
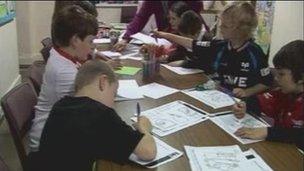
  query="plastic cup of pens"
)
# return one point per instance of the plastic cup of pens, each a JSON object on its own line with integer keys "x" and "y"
{"x": 151, "y": 66}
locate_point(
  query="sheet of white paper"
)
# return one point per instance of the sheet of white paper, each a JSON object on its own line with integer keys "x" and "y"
{"x": 109, "y": 54}
{"x": 257, "y": 160}
{"x": 129, "y": 89}
{"x": 172, "y": 117}
{"x": 165, "y": 154}
{"x": 164, "y": 42}
{"x": 212, "y": 98}
{"x": 230, "y": 124}
{"x": 223, "y": 158}
{"x": 136, "y": 42}
{"x": 150, "y": 40}
{"x": 155, "y": 90}
{"x": 144, "y": 38}
{"x": 102, "y": 40}
{"x": 192, "y": 159}
{"x": 220, "y": 158}
{"x": 183, "y": 71}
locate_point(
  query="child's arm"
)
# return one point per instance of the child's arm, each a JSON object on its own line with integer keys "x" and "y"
{"x": 146, "y": 148}
{"x": 293, "y": 135}
{"x": 258, "y": 88}
{"x": 183, "y": 41}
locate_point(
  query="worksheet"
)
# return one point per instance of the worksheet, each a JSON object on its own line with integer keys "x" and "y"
{"x": 165, "y": 154}
{"x": 213, "y": 98}
{"x": 230, "y": 124}
{"x": 224, "y": 158}
{"x": 172, "y": 117}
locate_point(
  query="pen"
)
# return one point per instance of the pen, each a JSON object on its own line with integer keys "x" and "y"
{"x": 138, "y": 111}
{"x": 229, "y": 93}
{"x": 193, "y": 108}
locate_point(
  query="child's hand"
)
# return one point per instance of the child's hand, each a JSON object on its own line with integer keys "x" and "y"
{"x": 239, "y": 110}
{"x": 121, "y": 45}
{"x": 115, "y": 63}
{"x": 143, "y": 125}
{"x": 239, "y": 92}
{"x": 252, "y": 133}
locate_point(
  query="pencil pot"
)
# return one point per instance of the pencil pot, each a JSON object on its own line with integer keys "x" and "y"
{"x": 150, "y": 68}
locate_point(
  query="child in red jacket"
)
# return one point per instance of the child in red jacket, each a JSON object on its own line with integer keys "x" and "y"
{"x": 284, "y": 104}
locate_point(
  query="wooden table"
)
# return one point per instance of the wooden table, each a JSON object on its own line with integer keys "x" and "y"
{"x": 279, "y": 156}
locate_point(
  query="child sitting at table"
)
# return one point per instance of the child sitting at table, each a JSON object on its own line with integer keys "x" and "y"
{"x": 190, "y": 26}
{"x": 73, "y": 31}
{"x": 237, "y": 62}
{"x": 284, "y": 104}
{"x": 85, "y": 128}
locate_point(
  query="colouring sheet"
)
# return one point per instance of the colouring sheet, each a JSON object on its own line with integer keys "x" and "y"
{"x": 172, "y": 117}
{"x": 230, "y": 124}
{"x": 224, "y": 158}
{"x": 213, "y": 98}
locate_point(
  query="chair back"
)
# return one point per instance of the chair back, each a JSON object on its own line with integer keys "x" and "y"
{"x": 47, "y": 46}
{"x": 47, "y": 42}
{"x": 18, "y": 107}
{"x": 36, "y": 71}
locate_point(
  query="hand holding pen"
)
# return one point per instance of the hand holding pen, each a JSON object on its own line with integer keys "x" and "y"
{"x": 239, "y": 109}
{"x": 143, "y": 124}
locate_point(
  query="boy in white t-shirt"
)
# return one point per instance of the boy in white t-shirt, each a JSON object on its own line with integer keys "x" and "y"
{"x": 73, "y": 31}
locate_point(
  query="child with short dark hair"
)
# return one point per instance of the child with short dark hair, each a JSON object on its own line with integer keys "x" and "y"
{"x": 190, "y": 26}
{"x": 84, "y": 128}
{"x": 286, "y": 104}
{"x": 175, "y": 12}
{"x": 73, "y": 31}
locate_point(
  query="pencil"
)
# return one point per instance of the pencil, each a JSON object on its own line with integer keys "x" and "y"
{"x": 138, "y": 111}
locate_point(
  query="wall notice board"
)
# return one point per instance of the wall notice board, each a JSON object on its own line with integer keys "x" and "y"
{"x": 265, "y": 12}
{"x": 7, "y": 11}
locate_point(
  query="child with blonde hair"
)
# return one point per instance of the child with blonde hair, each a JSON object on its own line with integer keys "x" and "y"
{"x": 237, "y": 62}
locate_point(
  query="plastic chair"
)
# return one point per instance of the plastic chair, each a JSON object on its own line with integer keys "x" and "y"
{"x": 18, "y": 107}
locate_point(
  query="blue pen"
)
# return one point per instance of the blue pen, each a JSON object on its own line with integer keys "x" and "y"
{"x": 138, "y": 111}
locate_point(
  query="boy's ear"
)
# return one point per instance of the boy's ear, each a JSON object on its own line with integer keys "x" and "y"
{"x": 74, "y": 41}
{"x": 102, "y": 82}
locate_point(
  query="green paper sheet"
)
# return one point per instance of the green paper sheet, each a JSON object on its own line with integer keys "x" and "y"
{"x": 128, "y": 70}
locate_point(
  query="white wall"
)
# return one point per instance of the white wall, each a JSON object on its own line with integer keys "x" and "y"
{"x": 33, "y": 24}
{"x": 287, "y": 25}
{"x": 9, "y": 65}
